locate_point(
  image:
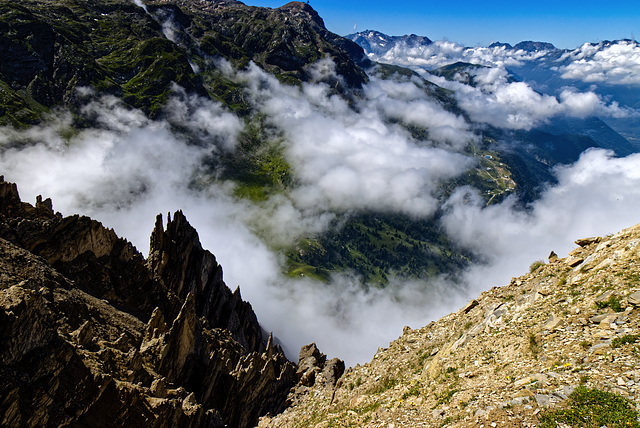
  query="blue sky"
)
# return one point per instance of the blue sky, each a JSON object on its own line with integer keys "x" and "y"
{"x": 567, "y": 24}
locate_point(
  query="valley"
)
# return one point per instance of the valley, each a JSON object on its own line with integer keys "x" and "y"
{"x": 354, "y": 188}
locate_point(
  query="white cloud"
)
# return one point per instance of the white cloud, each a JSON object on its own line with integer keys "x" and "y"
{"x": 406, "y": 102}
{"x": 596, "y": 196}
{"x": 502, "y": 103}
{"x": 608, "y": 63}
{"x": 210, "y": 122}
{"x": 347, "y": 159}
{"x": 613, "y": 64}
{"x": 128, "y": 169}
{"x": 516, "y": 105}
{"x": 443, "y": 52}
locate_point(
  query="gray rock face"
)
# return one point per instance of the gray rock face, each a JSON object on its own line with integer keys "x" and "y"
{"x": 94, "y": 335}
{"x": 332, "y": 371}
{"x": 313, "y": 367}
{"x": 584, "y": 242}
{"x": 310, "y": 363}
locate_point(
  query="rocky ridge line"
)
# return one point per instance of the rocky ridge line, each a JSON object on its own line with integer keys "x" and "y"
{"x": 95, "y": 335}
{"x": 506, "y": 358}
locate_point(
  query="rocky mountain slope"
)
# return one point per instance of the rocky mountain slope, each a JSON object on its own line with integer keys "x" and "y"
{"x": 92, "y": 334}
{"x": 514, "y": 356}
{"x": 50, "y": 49}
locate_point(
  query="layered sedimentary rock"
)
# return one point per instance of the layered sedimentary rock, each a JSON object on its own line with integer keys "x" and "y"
{"x": 92, "y": 334}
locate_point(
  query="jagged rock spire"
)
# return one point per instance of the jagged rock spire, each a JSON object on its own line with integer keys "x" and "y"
{"x": 178, "y": 261}
{"x": 96, "y": 333}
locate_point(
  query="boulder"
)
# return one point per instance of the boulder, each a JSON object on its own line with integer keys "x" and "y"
{"x": 333, "y": 370}
{"x": 584, "y": 242}
{"x": 634, "y": 299}
{"x": 313, "y": 367}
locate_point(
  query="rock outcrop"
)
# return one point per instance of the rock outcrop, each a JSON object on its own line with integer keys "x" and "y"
{"x": 508, "y": 358}
{"x": 179, "y": 262}
{"x": 92, "y": 334}
{"x": 314, "y": 369}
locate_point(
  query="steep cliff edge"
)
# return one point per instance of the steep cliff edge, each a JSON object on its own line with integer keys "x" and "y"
{"x": 559, "y": 346}
{"x": 95, "y": 335}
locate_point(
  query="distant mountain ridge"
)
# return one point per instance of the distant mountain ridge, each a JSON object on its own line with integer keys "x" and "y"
{"x": 525, "y": 46}
{"x": 378, "y": 43}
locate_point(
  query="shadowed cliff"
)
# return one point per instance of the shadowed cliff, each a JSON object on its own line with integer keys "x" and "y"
{"x": 95, "y": 335}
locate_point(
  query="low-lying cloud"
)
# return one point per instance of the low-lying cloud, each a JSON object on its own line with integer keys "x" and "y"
{"x": 345, "y": 157}
{"x": 444, "y": 52}
{"x": 497, "y": 100}
{"x": 609, "y": 64}
{"x": 596, "y": 196}
{"x": 348, "y": 159}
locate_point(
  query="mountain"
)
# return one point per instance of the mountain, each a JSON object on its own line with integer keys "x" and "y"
{"x": 50, "y": 50}
{"x": 555, "y": 347}
{"x": 500, "y": 45}
{"x": 94, "y": 334}
{"x": 531, "y": 152}
{"x": 329, "y": 177}
{"x": 606, "y": 68}
{"x": 375, "y": 42}
{"x": 379, "y": 43}
{"x": 534, "y": 46}
{"x": 459, "y": 71}
{"x": 540, "y": 64}
{"x": 80, "y": 51}
{"x": 79, "y": 346}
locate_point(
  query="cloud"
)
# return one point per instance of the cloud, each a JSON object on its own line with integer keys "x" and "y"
{"x": 444, "y": 52}
{"x": 348, "y": 321}
{"x": 498, "y": 101}
{"x": 348, "y": 159}
{"x": 596, "y": 196}
{"x": 406, "y": 102}
{"x": 610, "y": 64}
{"x": 208, "y": 122}
{"x": 127, "y": 169}
{"x": 606, "y": 63}
{"x": 583, "y": 104}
